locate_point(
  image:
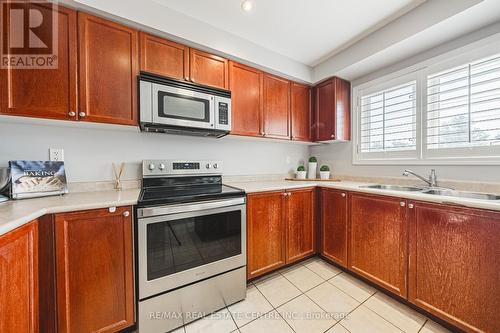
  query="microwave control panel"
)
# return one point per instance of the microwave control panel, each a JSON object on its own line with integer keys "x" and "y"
{"x": 223, "y": 113}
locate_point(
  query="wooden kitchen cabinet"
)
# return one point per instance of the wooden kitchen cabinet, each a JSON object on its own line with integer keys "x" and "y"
{"x": 265, "y": 232}
{"x": 454, "y": 267}
{"x": 45, "y": 93}
{"x": 19, "y": 279}
{"x": 246, "y": 99}
{"x": 108, "y": 68}
{"x": 276, "y": 111}
{"x": 300, "y": 105}
{"x": 378, "y": 245}
{"x": 163, "y": 57}
{"x": 94, "y": 270}
{"x": 208, "y": 69}
{"x": 333, "y": 110}
{"x": 333, "y": 222}
{"x": 300, "y": 208}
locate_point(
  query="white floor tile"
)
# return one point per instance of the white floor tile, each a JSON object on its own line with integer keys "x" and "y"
{"x": 352, "y": 286}
{"x": 277, "y": 290}
{"x": 304, "y": 316}
{"x": 252, "y": 307}
{"x": 395, "y": 312}
{"x": 333, "y": 300}
{"x": 303, "y": 278}
{"x": 433, "y": 327}
{"x": 337, "y": 329}
{"x": 219, "y": 322}
{"x": 270, "y": 323}
{"x": 363, "y": 320}
{"x": 322, "y": 268}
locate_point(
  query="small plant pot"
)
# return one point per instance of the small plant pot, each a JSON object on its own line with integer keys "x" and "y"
{"x": 311, "y": 171}
{"x": 324, "y": 174}
{"x": 301, "y": 174}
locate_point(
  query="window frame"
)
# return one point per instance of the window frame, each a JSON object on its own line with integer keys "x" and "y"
{"x": 486, "y": 155}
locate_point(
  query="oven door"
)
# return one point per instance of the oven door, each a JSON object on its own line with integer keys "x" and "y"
{"x": 189, "y": 242}
{"x": 182, "y": 107}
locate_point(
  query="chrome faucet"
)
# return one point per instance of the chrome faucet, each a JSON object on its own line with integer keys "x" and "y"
{"x": 432, "y": 181}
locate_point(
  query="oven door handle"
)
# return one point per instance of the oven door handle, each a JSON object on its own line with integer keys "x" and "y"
{"x": 189, "y": 207}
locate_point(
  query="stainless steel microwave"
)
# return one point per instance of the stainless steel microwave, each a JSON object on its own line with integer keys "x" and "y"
{"x": 178, "y": 107}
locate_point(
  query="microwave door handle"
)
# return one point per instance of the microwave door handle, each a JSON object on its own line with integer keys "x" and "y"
{"x": 212, "y": 111}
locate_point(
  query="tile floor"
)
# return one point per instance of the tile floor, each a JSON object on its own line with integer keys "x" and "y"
{"x": 313, "y": 297}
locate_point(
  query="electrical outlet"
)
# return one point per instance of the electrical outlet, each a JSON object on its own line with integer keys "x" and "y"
{"x": 56, "y": 154}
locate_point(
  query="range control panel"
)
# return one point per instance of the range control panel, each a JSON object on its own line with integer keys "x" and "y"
{"x": 158, "y": 168}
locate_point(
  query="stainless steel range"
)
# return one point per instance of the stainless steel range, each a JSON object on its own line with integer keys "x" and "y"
{"x": 190, "y": 243}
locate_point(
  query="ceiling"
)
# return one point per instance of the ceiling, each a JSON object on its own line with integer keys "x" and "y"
{"x": 305, "y": 31}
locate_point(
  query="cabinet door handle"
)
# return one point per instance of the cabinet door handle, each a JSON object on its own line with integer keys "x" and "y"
{"x": 82, "y": 114}
{"x": 411, "y": 206}
{"x": 192, "y": 80}
{"x": 289, "y": 194}
{"x": 126, "y": 213}
{"x": 284, "y": 194}
{"x": 343, "y": 195}
{"x": 72, "y": 113}
{"x": 112, "y": 209}
{"x": 186, "y": 78}
{"x": 402, "y": 203}
{"x": 333, "y": 136}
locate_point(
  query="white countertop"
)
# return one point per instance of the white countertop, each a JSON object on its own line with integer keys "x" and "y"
{"x": 15, "y": 213}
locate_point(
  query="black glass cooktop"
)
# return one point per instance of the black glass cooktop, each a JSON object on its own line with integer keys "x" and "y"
{"x": 166, "y": 191}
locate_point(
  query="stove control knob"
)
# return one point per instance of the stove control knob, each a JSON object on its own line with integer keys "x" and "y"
{"x": 161, "y": 166}
{"x": 151, "y": 166}
{"x": 207, "y": 166}
{"x": 216, "y": 165}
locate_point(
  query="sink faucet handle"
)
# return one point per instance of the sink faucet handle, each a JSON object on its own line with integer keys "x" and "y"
{"x": 433, "y": 178}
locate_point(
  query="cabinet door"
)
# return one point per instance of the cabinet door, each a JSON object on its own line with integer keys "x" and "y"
{"x": 108, "y": 71}
{"x": 378, "y": 240}
{"x": 276, "y": 107}
{"x": 45, "y": 93}
{"x": 164, "y": 57}
{"x": 246, "y": 99}
{"x": 301, "y": 112}
{"x": 333, "y": 110}
{"x": 333, "y": 222}
{"x": 454, "y": 266}
{"x": 94, "y": 270}
{"x": 19, "y": 280}
{"x": 208, "y": 69}
{"x": 300, "y": 217}
{"x": 265, "y": 232}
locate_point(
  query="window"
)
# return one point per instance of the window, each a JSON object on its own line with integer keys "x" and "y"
{"x": 388, "y": 119}
{"x": 445, "y": 112}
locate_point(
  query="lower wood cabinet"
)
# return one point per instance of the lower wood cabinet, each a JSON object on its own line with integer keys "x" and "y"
{"x": 19, "y": 280}
{"x": 280, "y": 229}
{"x": 378, "y": 243}
{"x": 333, "y": 221}
{"x": 94, "y": 270}
{"x": 454, "y": 269}
{"x": 300, "y": 224}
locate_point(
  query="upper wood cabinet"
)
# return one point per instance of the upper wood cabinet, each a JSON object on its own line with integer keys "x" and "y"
{"x": 246, "y": 99}
{"x": 45, "y": 93}
{"x": 265, "y": 232}
{"x": 276, "y": 107}
{"x": 300, "y": 112}
{"x": 94, "y": 270}
{"x": 208, "y": 69}
{"x": 163, "y": 57}
{"x": 19, "y": 280}
{"x": 378, "y": 244}
{"x": 333, "y": 221}
{"x": 108, "y": 71}
{"x": 333, "y": 110}
{"x": 454, "y": 265}
{"x": 300, "y": 224}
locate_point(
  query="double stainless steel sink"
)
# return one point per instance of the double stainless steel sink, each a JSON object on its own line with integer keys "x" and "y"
{"x": 436, "y": 191}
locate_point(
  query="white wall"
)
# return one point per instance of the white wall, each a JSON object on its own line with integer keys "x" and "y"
{"x": 89, "y": 152}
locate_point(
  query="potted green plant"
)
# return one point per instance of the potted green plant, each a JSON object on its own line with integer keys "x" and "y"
{"x": 301, "y": 172}
{"x": 313, "y": 165}
{"x": 324, "y": 172}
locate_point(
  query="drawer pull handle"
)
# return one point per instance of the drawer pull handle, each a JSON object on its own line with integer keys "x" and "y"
{"x": 402, "y": 203}
{"x": 343, "y": 195}
{"x": 126, "y": 213}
